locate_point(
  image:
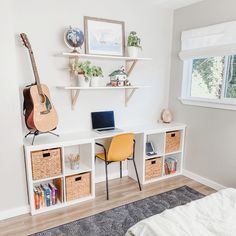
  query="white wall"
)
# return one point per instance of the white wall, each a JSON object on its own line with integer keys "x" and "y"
{"x": 45, "y": 22}
{"x": 12, "y": 173}
{"x": 210, "y": 142}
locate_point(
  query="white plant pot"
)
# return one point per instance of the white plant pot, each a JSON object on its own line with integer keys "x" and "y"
{"x": 95, "y": 81}
{"x": 133, "y": 52}
{"x": 82, "y": 82}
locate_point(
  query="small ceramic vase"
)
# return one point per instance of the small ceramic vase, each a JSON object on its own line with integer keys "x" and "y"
{"x": 166, "y": 116}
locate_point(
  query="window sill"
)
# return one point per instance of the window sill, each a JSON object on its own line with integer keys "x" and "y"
{"x": 225, "y": 105}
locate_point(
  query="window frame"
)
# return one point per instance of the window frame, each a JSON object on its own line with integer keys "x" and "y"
{"x": 187, "y": 99}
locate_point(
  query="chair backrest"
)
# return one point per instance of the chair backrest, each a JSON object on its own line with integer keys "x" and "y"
{"x": 121, "y": 147}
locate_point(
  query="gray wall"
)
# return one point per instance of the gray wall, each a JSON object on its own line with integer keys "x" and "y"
{"x": 211, "y": 133}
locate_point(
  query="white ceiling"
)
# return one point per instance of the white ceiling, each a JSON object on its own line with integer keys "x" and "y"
{"x": 174, "y": 4}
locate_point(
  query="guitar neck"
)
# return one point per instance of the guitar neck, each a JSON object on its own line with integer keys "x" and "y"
{"x": 35, "y": 70}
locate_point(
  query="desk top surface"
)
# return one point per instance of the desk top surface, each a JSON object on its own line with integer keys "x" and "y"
{"x": 90, "y": 136}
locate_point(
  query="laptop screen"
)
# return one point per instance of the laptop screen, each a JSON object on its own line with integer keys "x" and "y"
{"x": 103, "y": 119}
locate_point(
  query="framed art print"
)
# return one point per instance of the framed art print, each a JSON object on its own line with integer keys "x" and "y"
{"x": 104, "y": 37}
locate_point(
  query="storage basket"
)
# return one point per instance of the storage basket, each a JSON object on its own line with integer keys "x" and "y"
{"x": 78, "y": 186}
{"x": 172, "y": 141}
{"x": 46, "y": 163}
{"x": 153, "y": 168}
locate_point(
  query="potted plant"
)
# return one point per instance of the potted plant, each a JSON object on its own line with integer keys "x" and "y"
{"x": 134, "y": 44}
{"x": 84, "y": 72}
{"x": 97, "y": 74}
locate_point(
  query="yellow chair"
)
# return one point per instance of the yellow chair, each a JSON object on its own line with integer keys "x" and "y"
{"x": 122, "y": 148}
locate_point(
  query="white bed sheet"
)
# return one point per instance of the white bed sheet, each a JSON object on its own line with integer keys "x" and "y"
{"x": 214, "y": 215}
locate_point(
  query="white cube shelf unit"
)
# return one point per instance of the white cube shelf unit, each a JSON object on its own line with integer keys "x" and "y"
{"x": 159, "y": 141}
{"x": 167, "y": 139}
{"x": 85, "y": 148}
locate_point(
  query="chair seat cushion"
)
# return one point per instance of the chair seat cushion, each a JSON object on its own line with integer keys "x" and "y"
{"x": 101, "y": 156}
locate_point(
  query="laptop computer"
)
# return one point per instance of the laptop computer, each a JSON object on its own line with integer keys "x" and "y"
{"x": 103, "y": 122}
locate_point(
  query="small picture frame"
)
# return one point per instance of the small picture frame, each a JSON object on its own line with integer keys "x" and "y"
{"x": 104, "y": 37}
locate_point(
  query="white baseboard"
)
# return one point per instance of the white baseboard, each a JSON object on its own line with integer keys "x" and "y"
{"x": 102, "y": 178}
{"x": 14, "y": 212}
{"x": 203, "y": 180}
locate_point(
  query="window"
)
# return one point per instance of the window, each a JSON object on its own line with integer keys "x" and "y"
{"x": 207, "y": 77}
{"x": 211, "y": 79}
{"x": 209, "y": 74}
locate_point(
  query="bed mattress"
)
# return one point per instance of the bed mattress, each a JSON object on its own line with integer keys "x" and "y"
{"x": 213, "y": 215}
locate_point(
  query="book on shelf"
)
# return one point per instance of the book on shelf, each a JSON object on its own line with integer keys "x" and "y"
{"x": 54, "y": 193}
{"x": 45, "y": 195}
{"x": 170, "y": 165}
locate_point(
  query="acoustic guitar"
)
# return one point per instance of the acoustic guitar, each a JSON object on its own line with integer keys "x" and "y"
{"x": 40, "y": 114}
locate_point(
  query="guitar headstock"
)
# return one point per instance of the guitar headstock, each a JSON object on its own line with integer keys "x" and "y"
{"x": 25, "y": 40}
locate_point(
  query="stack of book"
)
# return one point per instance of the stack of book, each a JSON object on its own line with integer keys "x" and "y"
{"x": 45, "y": 195}
{"x": 170, "y": 166}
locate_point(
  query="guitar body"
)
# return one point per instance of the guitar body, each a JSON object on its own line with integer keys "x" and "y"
{"x": 39, "y": 116}
{"x": 28, "y": 108}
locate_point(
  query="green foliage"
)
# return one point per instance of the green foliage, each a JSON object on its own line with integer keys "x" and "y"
{"x": 208, "y": 74}
{"x": 231, "y": 85}
{"x": 134, "y": 40}
{"x": 85, "y": 68}
{"x": 97, "y": 71}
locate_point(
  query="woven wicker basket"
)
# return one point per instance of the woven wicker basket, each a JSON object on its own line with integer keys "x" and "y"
{"x": 172, "y": 141}
{"x": 153, "y": 168}
{"x": 78, "y": 186}
{"x": 46, "y": 164}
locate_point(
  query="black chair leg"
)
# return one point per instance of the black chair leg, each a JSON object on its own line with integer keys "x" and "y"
{"x": 107, "y": 180}
{"x": 137, "y": 174}
{"x": 120, "y": 169}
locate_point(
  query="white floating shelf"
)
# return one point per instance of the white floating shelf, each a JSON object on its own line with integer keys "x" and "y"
{"x": 76, "y": 90}
{"x": 82, "y": 55}
{"x": 82, "y": 168}
{"x": 101, "y": 88}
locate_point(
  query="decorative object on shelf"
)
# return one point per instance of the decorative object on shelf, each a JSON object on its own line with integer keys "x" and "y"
{"x": 74, "y": 161}
{"x": 166, "y": 116}
{"x": 97, "y": 74}
{"x": 104, "y": 37}
{"x": 74, "y": 38}
{"x": 134, "y": 44}
{"x": 83, "y": 71}
{"x": 40, "y": 114}
{"x": 119, "y": 78}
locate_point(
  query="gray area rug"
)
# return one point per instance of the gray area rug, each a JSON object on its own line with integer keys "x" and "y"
{"x": 117, "y": 221}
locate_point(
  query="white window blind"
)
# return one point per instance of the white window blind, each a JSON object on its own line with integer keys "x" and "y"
{"x": 211, "y": 41}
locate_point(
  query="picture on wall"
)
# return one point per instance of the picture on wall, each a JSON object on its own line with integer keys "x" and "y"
{"x": 104, "y": 37}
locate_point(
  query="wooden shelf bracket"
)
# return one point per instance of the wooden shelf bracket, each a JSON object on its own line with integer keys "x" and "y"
{"x": 129, "y": 65}
{"x": 129, "y": 94}
{"x": 74, "y": 98}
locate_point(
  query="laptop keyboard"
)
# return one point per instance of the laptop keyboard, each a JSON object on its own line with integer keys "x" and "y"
{"x": 100, "y": 130}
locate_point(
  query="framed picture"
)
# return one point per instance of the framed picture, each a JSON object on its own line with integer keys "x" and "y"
{"x": 104, "y": 37}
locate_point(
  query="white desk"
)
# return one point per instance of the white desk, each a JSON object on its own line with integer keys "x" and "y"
{"x": 84, "y": 143}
